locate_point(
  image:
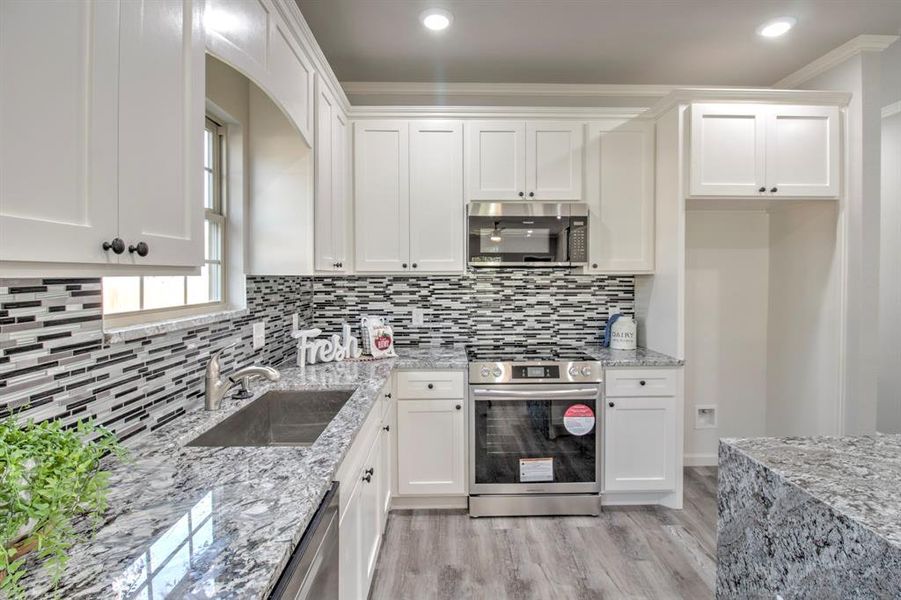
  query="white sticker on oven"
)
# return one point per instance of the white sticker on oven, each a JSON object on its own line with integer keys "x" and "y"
{"x": 536, "y": 469}
{"x": 578, "y": 419}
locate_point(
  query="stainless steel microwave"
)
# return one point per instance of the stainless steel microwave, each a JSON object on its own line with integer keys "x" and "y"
{"x": 527, "y": 234}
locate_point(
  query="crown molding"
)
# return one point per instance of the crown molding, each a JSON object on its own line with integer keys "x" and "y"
{"x": 545, "y": 90}
{"x": 496, "y": 112}
{"x": 862, "y": 43}
{"x": 291, "y": 14}
{"x": 748, "y": 95}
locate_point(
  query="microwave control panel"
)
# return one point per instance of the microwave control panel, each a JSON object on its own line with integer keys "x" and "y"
{"x": 578, "y": 241}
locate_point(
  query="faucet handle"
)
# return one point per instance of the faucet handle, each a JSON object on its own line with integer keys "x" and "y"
{"x": 213, "y": 366}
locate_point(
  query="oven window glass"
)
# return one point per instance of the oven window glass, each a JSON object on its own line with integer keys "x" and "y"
{"x": 509, "y": 435}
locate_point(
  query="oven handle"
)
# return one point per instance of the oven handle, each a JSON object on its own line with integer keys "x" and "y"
{"x": 576, "y": 394}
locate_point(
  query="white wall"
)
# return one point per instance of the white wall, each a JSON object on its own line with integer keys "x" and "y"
{"x": 803, "y": 333}
{"x": 281, "y": 193}
{"x": 860, "y": 212}
{"x": 889, "y": 406}
{"x": 726, "y": 303}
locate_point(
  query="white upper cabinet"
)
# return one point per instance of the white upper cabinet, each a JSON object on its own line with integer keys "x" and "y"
{"x": 764, "y": 150}
{"x": 620, "y": 195}
{"x": 516, "y": 160}
{"x": 251, "y": 36}
{"x": 331, "y": 182}
{"x": 161, "y": 111}
{"x": 101, "y": 116}
{"x": 802, "y": 151}
{"x": 382, "y": 195}
{"x": 496, "y": 159}
{"x": 58, "y": 82}
{"x": 554, "y": 160}
{"x": 436, "y": 196}
{"x": 727, "y": 149}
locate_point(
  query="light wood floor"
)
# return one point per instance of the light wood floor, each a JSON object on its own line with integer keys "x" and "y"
{"x": 634, "y": 553}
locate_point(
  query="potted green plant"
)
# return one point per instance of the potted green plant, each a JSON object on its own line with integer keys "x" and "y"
{"x": 50, "y": 475}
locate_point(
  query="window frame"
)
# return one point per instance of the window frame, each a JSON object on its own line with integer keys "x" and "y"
{"x": 215, "y": 214}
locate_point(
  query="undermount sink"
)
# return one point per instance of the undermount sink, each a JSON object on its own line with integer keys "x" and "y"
{"x": 277, "y": 418}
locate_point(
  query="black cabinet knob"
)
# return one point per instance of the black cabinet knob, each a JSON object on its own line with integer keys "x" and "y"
{"x": 431, "y": 387}
{"x": 531, "y": 194}
{"x": 116, "y": 245}
{"x": 774, "y": 190}
{"x": 414, "y": 265}
{"x": 404, "y": 265}
{"x": 338, "y": 265}
{"x": 370, "y": 471}
{"x": 611, "y": 404}
{"x": 141, "y": 248}
{"x": 387, "y": 427}
{"x": 762, "y": 189}
{"x": 388, "y": 395}
{"x": 594, "y": 265}
{"x": 368, "y": 478}
{"x": 458, "y": 407}
{"x": 642, "y": 382}
{"x": 521, "y": 194}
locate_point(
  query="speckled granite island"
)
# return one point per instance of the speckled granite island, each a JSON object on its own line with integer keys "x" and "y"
{"x": 816, "y": 518}
{"x": 198, "y": 522}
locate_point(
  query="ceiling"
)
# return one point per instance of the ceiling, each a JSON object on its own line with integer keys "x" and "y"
{"x": 677, "y": 42}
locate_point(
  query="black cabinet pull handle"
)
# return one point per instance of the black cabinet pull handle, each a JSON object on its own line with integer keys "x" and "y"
{"x": 387, "y": 427}
{"x": 594, "y": 265}
{"x": 116, "y": 245}
{"x": 642, "y": 382}
{"x": 414, "y": 265}
{"x": 762, "y": 189}
{"x": 141, "y": 248}
{"x": 388, "y": 395}
{"x": 521, "y": 194}
{"x": 531, "y": 194}
{"x": 370, "y": 471}
{"x": 431, "y": 387}
{"x": 774, "y": 190}
{"x": 404, "y": 265}
{"x": 368, "y": 478}
{"x": 611, "y": 404}
{"x": 459, "y": 407}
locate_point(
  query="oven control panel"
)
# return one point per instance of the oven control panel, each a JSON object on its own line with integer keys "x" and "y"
{"x": 535, "y": 372}
{"x": 539, "y": 372}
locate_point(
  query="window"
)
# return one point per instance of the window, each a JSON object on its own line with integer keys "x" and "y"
{"x": 140, "y": 294}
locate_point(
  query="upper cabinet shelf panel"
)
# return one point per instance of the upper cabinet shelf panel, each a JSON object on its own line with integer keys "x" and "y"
{"x": 760, "y": 150}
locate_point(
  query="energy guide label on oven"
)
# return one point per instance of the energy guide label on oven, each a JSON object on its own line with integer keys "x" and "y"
{"x": 532, "y": 470}
{"x": 578, "y": 419}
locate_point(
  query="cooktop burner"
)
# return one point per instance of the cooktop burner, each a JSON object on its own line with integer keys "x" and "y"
{"x": 521, "y": 354}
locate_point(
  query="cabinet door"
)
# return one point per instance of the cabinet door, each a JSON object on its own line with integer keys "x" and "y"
{"x": 727, "y": 149}
{"x": 620, "y": 194}
{"x": 161, "y": 112}
{"x": 382, "y": 195}
{"x": 436, "y": 195}
{"x": 331, "y": 164}
{"x": 554, "y": 160}
{"x": 802, "y": 151}
{"x": 371, "y": 530}
{"x": 430, "y": 447}
{"x": 340, "y": 188}
{"x": 291, "y": 75}
{"x": 639, "y": 446}
{"x": 58, "y": 82}
{"x": 350, "y": 544}
{"x": 496, "y": 160}
{"x": 386, "y": 477}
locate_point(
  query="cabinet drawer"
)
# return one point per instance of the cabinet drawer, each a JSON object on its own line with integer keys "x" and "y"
{"x": 430, "y": 384}
{"x": 640, "y": 382}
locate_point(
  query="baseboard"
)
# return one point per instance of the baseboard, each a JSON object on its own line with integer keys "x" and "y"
{"x": 429, "y": 502}
{"x": 699, "y": 460}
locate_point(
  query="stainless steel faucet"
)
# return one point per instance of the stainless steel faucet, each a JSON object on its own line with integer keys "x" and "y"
{"x": 217, "y": 387}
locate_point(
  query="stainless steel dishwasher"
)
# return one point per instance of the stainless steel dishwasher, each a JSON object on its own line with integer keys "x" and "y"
{"x": 312, "y": 570}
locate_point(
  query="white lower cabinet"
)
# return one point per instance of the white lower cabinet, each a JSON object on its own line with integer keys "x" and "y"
{"x": 640, "y": 444}
{"x": 431, "y": 447}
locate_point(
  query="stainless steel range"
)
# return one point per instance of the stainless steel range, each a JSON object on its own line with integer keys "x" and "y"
{"x": 535, "y": 445}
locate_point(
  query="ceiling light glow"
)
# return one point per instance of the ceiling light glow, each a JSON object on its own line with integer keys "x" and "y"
{"x": 436, "y": 19}
{"x": 776, "y": 27}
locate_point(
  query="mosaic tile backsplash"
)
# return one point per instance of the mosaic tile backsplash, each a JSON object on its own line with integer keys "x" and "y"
{"x": 485, "y": 307}
{"x": 54, "y": 362}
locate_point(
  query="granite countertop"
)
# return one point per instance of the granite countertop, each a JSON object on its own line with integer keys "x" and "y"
{"x": 640, "y": 357}
{"x": 195, "y": 522}
{"x": 858, "y": 477}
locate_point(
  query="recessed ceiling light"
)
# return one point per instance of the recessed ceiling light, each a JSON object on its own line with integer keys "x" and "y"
{"x": 436, "y": 19}
{"x": 776, "y": 27}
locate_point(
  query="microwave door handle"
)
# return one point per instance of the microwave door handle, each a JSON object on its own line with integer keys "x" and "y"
{"x": 576, "y": 394}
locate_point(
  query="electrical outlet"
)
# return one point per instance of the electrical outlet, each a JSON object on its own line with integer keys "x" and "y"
{"x": 295, "y": 322}
{"x": 259, "y": 335}
{"x": 418, "y": 316}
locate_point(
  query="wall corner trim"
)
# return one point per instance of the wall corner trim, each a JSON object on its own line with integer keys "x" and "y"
{"x": 851, "y": 48}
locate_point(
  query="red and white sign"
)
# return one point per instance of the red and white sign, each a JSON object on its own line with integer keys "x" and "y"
{"x": 578, "y": 419}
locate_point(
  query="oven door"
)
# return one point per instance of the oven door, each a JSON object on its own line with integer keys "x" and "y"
{"x": 534, "y": 438}
{"x": 516, "y": 235}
